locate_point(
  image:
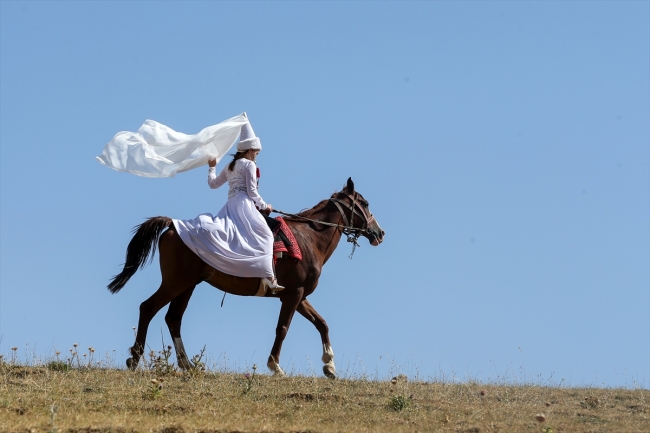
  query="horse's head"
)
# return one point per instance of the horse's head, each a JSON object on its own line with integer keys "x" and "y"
{"x": 356, "y": 214}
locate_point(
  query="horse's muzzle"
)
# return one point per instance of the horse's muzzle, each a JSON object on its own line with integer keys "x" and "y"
{"x": 376, "y": 235}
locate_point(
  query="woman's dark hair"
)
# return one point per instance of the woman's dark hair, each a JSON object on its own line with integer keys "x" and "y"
{"x": 236, "y": 156}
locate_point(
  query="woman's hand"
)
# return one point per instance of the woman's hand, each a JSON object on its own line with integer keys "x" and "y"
{"x": 212, "y": 162}
{"x": 267, "y": 210}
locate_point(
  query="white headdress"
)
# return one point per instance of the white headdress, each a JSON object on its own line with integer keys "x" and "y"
{"x": 247, "y": 138}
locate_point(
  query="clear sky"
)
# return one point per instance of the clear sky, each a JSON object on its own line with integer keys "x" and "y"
{"x": 503, "y": 147}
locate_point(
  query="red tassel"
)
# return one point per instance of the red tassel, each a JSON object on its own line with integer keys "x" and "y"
{"x": 258, "y": 173}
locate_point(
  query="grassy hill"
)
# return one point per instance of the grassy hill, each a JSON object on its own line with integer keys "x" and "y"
{"x": 56, "y": 397}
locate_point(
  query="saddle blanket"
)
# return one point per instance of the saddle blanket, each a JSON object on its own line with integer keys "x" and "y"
{"x": 293, "y": 249}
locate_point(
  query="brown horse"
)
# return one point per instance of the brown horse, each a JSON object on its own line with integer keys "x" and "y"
{"x": 317, "y": 231}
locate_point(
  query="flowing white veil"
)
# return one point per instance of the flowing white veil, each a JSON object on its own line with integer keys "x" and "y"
{"x": 155, "y": 150}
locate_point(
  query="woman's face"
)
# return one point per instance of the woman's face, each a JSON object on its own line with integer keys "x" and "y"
{"x": 252, "y": 154}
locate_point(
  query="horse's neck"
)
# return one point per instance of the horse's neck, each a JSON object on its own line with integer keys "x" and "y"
{"x": 326, "y": 237}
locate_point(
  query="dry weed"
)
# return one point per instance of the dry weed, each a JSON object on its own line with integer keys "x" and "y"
{"x": 41, "y": 399}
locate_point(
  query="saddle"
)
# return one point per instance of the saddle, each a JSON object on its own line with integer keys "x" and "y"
{"x": 283, "y": 239}
{"x": 278, "y": 235}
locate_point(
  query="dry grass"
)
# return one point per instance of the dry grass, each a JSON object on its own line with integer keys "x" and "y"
{"x": 40, "y": 399}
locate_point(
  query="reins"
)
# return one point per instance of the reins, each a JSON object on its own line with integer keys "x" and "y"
{"x": 344, "y": 227}
{"x": 349, "y": 230}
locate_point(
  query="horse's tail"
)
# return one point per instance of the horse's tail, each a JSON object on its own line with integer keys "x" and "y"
{"x": 141, "y": 249}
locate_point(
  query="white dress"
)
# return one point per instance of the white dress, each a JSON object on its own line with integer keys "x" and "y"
{"x": 237, "y": 241}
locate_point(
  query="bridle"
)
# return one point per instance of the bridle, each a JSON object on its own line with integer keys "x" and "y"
{"x": 366, "y": 218}
{"x": 352, "y": 233}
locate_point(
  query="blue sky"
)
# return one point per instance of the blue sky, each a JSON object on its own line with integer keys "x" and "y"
{"x": 503, "y": 147}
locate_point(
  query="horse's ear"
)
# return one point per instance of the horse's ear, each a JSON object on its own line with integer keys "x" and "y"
{"x": 350, "y": 186}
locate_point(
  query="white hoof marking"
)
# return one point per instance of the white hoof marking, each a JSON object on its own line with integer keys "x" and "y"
{"x": 275, "y": 368}
{"x": 328, "y": 359}
{"x": 328, "y": 353}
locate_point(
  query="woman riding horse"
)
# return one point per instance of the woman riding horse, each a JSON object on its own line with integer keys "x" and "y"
{"x": 237, "y": 241}
{"x": 240, "y": 233}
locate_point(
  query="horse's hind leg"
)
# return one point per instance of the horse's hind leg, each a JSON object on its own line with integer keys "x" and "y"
{"x": 148, "y": 310}
{"x": 173, "y": 318}
{"x": 309, "y": 312}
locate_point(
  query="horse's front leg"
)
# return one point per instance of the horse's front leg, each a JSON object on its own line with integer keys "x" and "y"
{"x": 173, "y": 318}
{"x": 290, "y": 301}
{"x": 309, "y": 313}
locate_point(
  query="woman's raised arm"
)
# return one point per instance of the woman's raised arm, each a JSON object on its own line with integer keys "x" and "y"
{"x": 215, "y": 181}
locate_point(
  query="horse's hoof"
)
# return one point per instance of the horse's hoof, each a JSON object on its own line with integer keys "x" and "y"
{"x": 275, "y": 368}
{"x": 131, "y": 364}
{"x": 329, "y": 371}
{"x": 279, "y": 373}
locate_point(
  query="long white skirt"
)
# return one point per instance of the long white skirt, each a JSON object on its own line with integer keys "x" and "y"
{"x": 237, "y": 241}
